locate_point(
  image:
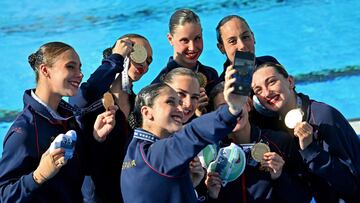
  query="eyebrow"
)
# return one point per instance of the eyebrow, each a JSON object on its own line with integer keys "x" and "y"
{"x": 184, "y": 91}
{"x": 74, "y": 63}
{"x": 266, "y": 81}
{"x": 246, "y": 32}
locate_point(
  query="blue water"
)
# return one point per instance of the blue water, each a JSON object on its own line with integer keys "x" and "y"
{"x": 304, "y": 36}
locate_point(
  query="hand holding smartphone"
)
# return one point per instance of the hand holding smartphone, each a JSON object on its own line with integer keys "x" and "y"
{"x": 244, "y": 63}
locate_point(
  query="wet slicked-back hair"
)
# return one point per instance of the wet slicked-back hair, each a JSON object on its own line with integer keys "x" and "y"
{"x": 225, "y": 20}
{"x": 169, "y": 77}
{"x": 47, "y": 54}
{"x": 279, "y": 68}
{"x": 108, "y": 51}
{"x": 145, "y": 97}
{"x": 182, "y": 16}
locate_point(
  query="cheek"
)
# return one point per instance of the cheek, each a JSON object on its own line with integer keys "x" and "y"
{"x": 194, "y": 104}
{"x": 230, "y": 53}
{"x": 199, "y": 44}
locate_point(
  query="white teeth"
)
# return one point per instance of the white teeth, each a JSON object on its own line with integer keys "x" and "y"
{"x": 75, "y": 83}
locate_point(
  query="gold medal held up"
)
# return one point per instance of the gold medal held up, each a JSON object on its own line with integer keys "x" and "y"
{"x": 108, "y": 100}
{"x": 139, "y": 54}
{"x": 258, "y": 151}
{"x": 202, "y": 79}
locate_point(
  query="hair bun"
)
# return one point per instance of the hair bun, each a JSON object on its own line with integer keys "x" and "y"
{"x": 32, "y": 60}
{"x": 107, "y": 52}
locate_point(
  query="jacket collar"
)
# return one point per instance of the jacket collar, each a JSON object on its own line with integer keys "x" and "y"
{"x": 173, "y": 64}
{"x": 65, "y": 110}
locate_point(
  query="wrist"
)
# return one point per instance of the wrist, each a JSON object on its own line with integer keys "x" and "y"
{"x": 38, "y": 178}
{"x": 235, "y": 111}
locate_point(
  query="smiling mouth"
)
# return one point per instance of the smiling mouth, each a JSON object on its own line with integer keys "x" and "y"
{"x": 191, "y": 55}
{"x": 75, "y": 84}
{"x": 177, "y": 119}
{"x": 272, "y": 100}
{"x": 140, "y": 70}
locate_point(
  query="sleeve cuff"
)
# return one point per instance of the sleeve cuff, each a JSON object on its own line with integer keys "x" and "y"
{"x": 227, "y": 116}
{"x": 310, "y": 152}
{"x": 30, "y": 183}
{"x": 116, "y": 60}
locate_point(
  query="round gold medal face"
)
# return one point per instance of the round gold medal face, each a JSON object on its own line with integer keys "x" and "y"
{"x": 108, "y": 100}
{"x": 139, "y": 54}
{"x": 258, "y": 151}
{"x": 293, "y": 117}
{"x": 202, "y": 79}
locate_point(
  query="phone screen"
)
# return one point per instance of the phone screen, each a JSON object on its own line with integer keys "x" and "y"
{"x": 244, "y": 64}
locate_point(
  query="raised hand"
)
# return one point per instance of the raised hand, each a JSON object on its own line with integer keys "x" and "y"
{"x": 273, "y": 163}
{"x": 104, "y": 124}
{"x": 197, "y": 172}
{"x": 49, "y": 166}
{"x": 304, "y": 131}
{"x": 123, "y": 47}
{"x": 213, "y": 184}
{"x": 235, "y": 101}
{"x": 203, "y": 102}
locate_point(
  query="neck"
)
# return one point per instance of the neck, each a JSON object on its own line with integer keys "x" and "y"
{"x": 242, "y": 136}
{"x": 183, "y": 63}
{"x": 156, "y": 132}
{"x": 49, "y": 98}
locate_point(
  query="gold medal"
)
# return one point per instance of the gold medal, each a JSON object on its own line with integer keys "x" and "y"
{"x": 139, "y": 54}
{"x": 202, "y": 79}
{"x": 108, "y": 100}
{"x": 293, "y": 117}
{"x": 258, "y": 151}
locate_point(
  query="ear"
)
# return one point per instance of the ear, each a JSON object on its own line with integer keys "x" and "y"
{"x": 170, "y": 38}
{"x": 146, "y": 113}
{"x": 291, "y": 81}
{"x": 44, "y": 70}
{"x": 221, "y": 48}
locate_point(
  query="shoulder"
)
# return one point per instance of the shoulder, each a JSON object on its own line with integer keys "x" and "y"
{"x": 20, "y": 132}
{"x": 322, "y": 112}
{"x": 208, "y": 70}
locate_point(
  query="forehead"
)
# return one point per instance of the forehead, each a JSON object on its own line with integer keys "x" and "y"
{"x": 187, "y": 83}
{"x": 263, "y": 73}
{"x": 187, "y": 29}
{"x": 143, "y": 42}
{"x": 234, "y": 27}
{"x": 68, "y": 55}
{"x": 166, "y": 92}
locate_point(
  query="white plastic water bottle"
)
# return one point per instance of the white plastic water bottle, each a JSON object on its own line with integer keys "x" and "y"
{"x": 66, "y": 141}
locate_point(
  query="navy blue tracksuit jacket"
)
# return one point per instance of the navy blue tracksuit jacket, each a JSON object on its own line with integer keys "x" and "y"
{"x": 158, "y": 170}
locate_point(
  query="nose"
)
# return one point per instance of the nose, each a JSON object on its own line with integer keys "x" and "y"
{"x": 265, "y": 92}
{"x": 80, "y": 75}
{"x": 179, "y": 108}
{"x": 186, "y": 102}
{"x": 240, "y": 46}
{"x": 191, "y": 45}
